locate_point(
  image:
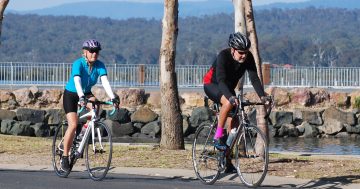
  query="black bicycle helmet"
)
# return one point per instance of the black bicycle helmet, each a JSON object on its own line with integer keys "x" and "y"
{"x": 91, "y": 44}
{"x": 239, "y": 41}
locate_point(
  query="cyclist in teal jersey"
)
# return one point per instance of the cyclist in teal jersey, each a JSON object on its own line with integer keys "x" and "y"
{"x": 84, "y": 74}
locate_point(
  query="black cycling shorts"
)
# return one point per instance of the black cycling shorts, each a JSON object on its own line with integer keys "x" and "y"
{"x": 71, "y": 99}
{"x": 213, "y": 92}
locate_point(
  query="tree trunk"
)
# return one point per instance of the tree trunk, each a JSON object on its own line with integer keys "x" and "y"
{"x": 240, "y": 26}
{"x": 171, "y": 119}
{"x": 251, "y": 29}
{"x": 3, "y": 4}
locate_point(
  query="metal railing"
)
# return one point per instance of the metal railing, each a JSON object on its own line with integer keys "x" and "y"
{"x": 316, "y": 77}
{"x": 57, "y": 74}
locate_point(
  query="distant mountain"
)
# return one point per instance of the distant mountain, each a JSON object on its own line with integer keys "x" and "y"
{"x": 347, "y": 4}
{"x": 125, "y": 10}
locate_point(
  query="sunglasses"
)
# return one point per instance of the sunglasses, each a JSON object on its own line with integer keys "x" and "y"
{"x": 242, "y": 52}
{"x": 93, "y": 51}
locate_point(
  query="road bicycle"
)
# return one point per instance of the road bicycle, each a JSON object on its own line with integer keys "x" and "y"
{"x": 249, "y": 148}
{"x": 95, "y": 144}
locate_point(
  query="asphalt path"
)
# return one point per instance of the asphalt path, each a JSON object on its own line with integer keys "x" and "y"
{"x": 24, "y": 179}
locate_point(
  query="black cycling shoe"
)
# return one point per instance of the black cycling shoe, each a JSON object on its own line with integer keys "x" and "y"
{"x": 219, "y": 145}
{"x": 230, "y": 168}
{"x": 65, "y": 166}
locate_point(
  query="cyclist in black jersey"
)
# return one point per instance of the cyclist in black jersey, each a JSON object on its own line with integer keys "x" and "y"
{"x": 221, "y": 79}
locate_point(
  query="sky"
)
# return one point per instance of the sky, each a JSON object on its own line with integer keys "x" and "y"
{"x": 21, "y": 5}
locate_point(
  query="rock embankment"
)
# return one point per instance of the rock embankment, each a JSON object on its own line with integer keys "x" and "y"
{"x": 302, "y": 112}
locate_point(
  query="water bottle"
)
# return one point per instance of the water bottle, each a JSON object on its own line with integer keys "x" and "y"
{"x": 231, "y": 137}
{"x": 82, "y": 132}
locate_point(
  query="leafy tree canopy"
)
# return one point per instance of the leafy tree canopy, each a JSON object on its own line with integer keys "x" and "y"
{"x": 302, "y": 37}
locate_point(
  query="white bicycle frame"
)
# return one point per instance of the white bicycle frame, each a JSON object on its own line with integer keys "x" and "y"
{"x": 92, "y": 114}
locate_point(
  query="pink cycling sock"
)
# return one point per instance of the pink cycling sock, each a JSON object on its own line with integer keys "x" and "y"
{"x": 219, "y": 132}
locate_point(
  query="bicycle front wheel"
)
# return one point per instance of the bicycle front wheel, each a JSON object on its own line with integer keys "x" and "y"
{"x": 205, "y": 156}
{"x": 252, "y": 156}
{"x": 98, "y": 151}
{"x": 58, "y": 149}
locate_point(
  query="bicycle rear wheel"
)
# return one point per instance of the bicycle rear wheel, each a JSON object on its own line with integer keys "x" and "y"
{"x": 98, "y": 151}
{"x": 205, "y": 156}
{"x": 58, "y": 149}
{"x": 252, "y": 156}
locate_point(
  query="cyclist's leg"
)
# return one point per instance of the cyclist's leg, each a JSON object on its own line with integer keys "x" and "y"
{"x": 70, "y": 100}
{"x": 223, "y": 114}
{"x": 231, "y": 123}
{"x": 70, "y": 132}
{"x": 68, "y": 139}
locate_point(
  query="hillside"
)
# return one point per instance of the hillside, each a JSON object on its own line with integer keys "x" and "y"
{"x": 302, "y": 37}
{"x": 153, "y": 10}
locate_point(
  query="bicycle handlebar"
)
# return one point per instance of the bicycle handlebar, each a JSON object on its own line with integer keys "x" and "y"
{"x": 245, "y": 103}
{"x": 98, "y": 103}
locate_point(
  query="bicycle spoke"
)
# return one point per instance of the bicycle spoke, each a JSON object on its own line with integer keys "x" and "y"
{"x": 205, "y": 156}
{"x": 98, "y": 152}
{"x": 252, "y": 157}
{"x": 58, "y": 149}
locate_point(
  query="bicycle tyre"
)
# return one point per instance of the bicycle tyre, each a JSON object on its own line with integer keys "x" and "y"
{"x": 98, "y": 161}
{"x": 205, "y": 156}
{"x": 252, "y": 156}
{"x": 57, "y": 149}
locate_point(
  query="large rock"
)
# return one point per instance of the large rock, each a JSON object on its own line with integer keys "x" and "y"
{"x": 199, "y": 115}
{"x": 100, "y": 93}
{"x": 6, "y": 126}
{"x": 352, "y": 129}
{"x": 319, "y": 95}
{"x": 7, "y": 114}
{"x": 119, "y": 130}
{"x": 301, "y": 96}
{"x": 55, "y": 116}
{"x": 22, "y": 128}
{"x": 309, "y": 131}
{"x": 287, "y": 130}
{"x": 279, "y": 118}
{"x": 7, "y": 100}
{"x": 331, "y": 127}
{"x": 34, "y": 116}
{"x": 41, "y": 129}
{"x": 154, "y": 100}
{"x": 251, "y": 96}
{"x": 152, "y": 129}
{"x": 24, "y": 96}
{"x": 341, "y": 116}
{"x": 340, "y": 99}
{"x": 281, "y": 95}
{"x": 192, "y": 99}
{"x": 35, "y": 91}
{"x": 143, "y": 115}
{"x": 49, "y": 97}
{"x": 5, "y": 96}
{"x": 122, "y": 115}
{"x": 186, "y": 126}
{"x": 312, "y": 117}
{"x": 131, "y": 97}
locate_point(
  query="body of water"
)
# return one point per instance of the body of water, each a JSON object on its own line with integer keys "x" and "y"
{"x": 338, "y": 146}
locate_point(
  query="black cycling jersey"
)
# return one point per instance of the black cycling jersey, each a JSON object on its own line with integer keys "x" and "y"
{"x": 226, "y": 72}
